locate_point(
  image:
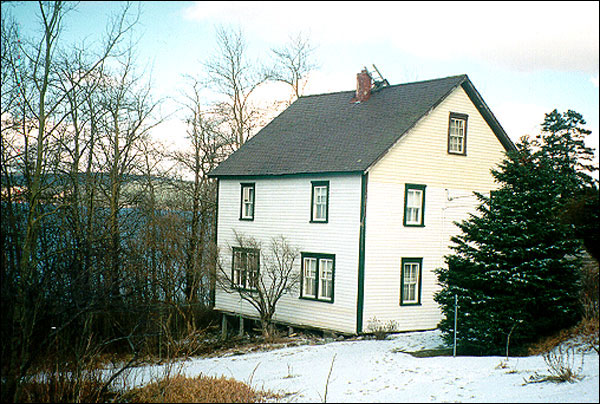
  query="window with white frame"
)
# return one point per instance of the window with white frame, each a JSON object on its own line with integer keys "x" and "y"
{"x": 309, "y": 277}
{"x": 325, "y": 279}
{"x": 410, "y": 289}
{"x": 414, "y": 205}
{"x": 245, "y": 268}
{"x": 247, "y": 202}
{"x": 318, "y": 271}
{"x": 457, "y": 134}
{"x": 320, "y": 201}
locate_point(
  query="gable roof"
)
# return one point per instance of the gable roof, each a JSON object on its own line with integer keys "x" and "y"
{"x": 327, "y": 134}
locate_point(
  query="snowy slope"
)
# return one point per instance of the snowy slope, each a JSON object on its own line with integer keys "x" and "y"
{"x": 375, "y": 371}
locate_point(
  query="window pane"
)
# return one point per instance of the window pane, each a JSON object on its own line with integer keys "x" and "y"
{"x": 320, "y": 203}
{"x": 310, "y": 270}
{"x": 248, "y": 202}
{"x": 414, "y": 202}
{"x": 410, "y": 282}
{"x": 252, "y": 277}
{"x": 457, "y": 135}
{"x": 414, "y": 198}
{"x": 248, "y": 209}
{"x": 245, "y": 269}
{"x": 326, "y": 277}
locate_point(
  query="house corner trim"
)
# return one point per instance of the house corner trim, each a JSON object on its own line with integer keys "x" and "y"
{"x": 361, "y": 255}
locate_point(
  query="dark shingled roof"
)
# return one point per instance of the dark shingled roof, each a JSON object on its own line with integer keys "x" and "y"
{"x": 328, "y": 134}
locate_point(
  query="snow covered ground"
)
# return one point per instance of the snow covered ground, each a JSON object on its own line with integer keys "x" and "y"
{"x": 377, "y": 371}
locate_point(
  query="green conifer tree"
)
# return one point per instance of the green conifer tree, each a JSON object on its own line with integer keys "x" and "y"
{"x": 515, "y": 265}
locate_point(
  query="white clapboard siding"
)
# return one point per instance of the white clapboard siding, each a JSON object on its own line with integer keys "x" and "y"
{"x": 421, "y": 157}
{"x": 282, "y": 207}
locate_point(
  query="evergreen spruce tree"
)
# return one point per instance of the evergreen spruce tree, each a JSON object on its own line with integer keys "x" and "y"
{"x": 515, "y": 264}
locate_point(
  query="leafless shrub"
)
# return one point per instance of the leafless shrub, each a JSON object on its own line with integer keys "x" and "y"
{"x": 561, "y": 364}
{"x": 380, "y": 329}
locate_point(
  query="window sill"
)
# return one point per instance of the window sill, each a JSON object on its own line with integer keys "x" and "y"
{"x": 315, "y": 299}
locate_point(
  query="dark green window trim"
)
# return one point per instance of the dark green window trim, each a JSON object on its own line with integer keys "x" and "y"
{"x": 317, "y": 256}
{"x": 419, "y": 280}
{"x": 464, "y": 117}
{"x": 361, "y": 254}
{"x": 312, "y": 201}
{"x": 242, "y": 250}
{"x": 408, "y": 187}
{"x": 247, "y": 185}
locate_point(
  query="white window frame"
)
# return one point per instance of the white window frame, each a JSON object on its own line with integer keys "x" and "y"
{"x": 325, "y": 278}
{"x": 410, "y": 293}
{"x": 247, "y": 201}
{"x": 414, "y": 205}
{"x": 309, "y": 277}
{"x": 319, "y": 212}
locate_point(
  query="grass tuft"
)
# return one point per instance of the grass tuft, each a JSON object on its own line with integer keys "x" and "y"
{"x": 200, "y": 389}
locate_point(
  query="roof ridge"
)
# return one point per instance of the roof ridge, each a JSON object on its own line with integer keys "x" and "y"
{"x": 390, "y": 86}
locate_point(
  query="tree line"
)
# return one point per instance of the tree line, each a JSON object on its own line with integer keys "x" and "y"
{"x": 104, "y": 246}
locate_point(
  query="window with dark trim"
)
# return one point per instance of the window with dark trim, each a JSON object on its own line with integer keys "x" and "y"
{"x": 410, "y": 281}
{"x": 247, "y": 201}
{"x": 319, "y": 202}
{"x": 317, "y": 277}
{"x": 245, "y": 268}
{"x": 414, "y": 205}
{"x": 457, "y": 134}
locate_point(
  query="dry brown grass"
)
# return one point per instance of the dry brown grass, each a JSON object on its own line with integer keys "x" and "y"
{"x": 201, "y": 389}
{"x": 584, "y": 334}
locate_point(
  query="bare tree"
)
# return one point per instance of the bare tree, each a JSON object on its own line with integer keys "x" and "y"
{"x": 125, "y": 125}
{"x": 37, "y": 141}
{"x": 236, "y": 79}
{"x": 262, "y": 285}
{"x": 293, "y": 63}
{"x": 207, "y": 147}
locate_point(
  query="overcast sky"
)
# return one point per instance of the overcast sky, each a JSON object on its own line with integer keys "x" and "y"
{"x": 525, "y": 58}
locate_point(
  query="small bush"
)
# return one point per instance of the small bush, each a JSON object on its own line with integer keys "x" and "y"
{"x": 560, "y": 362}
{"x": 201, "y": 389}
{"x": 379, "y": 329}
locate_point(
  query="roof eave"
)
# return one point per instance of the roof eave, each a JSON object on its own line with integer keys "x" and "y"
{"x": 487, "y": 115}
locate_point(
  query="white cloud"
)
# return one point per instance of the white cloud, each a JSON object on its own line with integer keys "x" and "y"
{"x": 594, "y": 81}
{"x": 520, "y": 35}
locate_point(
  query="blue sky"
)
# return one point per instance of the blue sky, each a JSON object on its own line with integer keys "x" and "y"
{"x": 525, "y": 58}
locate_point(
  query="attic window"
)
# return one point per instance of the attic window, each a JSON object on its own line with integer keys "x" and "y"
{"x": 457, "y": 134}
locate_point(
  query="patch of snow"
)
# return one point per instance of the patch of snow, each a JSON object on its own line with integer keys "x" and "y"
{"x": 381, "y": 371}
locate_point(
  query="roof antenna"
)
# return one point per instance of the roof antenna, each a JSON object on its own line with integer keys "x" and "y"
{"x": 378, "y": 82}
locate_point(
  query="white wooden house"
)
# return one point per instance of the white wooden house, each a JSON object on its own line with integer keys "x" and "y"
{"x": 367, "y": 185}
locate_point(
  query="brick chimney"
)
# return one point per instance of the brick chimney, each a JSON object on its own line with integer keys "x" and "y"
{"x": 363, "y": 87}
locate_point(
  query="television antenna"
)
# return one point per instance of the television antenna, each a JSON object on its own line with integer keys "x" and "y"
{"x": 378, "y": 81}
